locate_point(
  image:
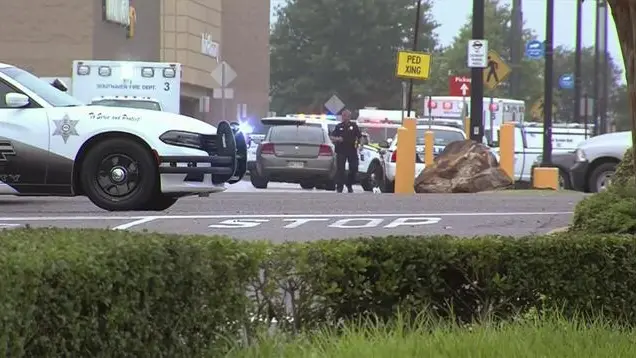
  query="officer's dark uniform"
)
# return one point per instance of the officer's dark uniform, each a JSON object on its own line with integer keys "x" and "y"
{"x": 346, "y": 151}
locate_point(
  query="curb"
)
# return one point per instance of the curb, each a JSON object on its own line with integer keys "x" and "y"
{"x": 558, "y": 230}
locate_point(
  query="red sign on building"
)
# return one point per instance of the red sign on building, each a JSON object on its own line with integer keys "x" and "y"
{"x": 459, "y": 86}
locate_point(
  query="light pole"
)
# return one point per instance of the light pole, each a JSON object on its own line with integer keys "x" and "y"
{"x": 547, "y": 85}
{"x": 477, "y": 77}
{"x": 416, "y": 34}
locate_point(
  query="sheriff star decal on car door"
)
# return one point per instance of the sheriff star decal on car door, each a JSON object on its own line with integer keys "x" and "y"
{"x": 65, "y": 128}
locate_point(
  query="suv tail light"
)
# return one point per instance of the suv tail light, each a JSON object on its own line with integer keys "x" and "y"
{"x": 394, "y": 156}
{"x": 267, "y": 148}
{"x": 325, "y": 151}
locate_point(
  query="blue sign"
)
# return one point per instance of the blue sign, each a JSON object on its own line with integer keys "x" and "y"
{"x": 534, "y": 50}
{"x": 566, "y": 81}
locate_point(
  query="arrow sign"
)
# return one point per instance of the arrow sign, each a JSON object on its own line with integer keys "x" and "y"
{"x": 459, "y": 86}
{"x": 464, "y": 89}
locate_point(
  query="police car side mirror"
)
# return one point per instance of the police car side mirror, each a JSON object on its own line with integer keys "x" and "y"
{"x": 60, "y": 85}
{"x": 364, "y": 140}
{"x": 16, "y": 100}
{"x": 384, "y": 144}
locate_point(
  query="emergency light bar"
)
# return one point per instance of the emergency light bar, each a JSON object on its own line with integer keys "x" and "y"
{"x": 106, "y": 71}
{"x": 322, "y": 117}
{"x": 278, "y": 121}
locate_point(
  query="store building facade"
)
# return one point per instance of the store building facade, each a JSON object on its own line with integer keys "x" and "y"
{"x": 199, "y": 34}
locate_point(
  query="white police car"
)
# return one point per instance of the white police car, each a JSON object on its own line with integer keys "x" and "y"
{"x": 120, "y": 158}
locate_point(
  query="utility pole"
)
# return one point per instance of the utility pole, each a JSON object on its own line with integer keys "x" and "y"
{"x": 577, "y": 62}
{"x": 477, "y": 77}
{"x": 548, "y": 78}
{"x": 597, "y": 69}
{"x": 604, "y": 72}
{"x": 415, "y": 38}
{"x": 516, "y": 43}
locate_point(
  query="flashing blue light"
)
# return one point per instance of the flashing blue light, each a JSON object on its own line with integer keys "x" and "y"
{"x": 245, "y": 128}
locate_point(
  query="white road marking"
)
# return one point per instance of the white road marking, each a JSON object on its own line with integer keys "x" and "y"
{"x": 282, "y": 216}
{"x": 7, "y": 225}
{"x": 135, "y": 223}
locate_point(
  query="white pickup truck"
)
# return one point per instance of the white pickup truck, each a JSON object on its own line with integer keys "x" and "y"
{"x": 596, "y": 160}
{"x": 120, "y": 158}
{"x": 529, "y": 146}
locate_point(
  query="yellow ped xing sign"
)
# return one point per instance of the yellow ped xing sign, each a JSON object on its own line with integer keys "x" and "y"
{"x": 496, "y": 71}
{"x": 413, "y": 65}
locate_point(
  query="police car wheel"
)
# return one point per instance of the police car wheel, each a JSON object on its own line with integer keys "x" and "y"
{"x": 330, "y": 186}
{"x": 373, "y": 178}
{"x": 387, "y": 186}
{"x": 119, "y": 175}
{"x": 306, "y": 185}
{"x": 258, "y": 182}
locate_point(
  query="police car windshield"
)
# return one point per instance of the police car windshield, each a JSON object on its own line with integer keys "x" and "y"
{"x": 261, "y": 128}
{"x": 50, "y": 94}
{"x": 154, "y": 106}
{"x": 297, "y": 134}
{"x": 442, "y": 137}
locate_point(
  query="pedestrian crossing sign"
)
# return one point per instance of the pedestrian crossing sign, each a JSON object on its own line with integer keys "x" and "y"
{"x": 496, "y": 71}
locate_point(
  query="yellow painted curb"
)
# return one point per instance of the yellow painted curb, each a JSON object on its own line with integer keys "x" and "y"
{"x": 558, "y": 230}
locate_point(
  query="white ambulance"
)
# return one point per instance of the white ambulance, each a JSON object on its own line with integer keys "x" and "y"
{"x": 144, "y": 85}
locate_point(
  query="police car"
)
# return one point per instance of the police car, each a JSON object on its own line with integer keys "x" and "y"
{"x": 120, "y": 158}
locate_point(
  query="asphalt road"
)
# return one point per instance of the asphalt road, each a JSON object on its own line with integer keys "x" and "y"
{"x": 286, "y": 212}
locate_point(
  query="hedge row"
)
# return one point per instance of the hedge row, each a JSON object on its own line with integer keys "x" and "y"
{"x": 85, "y": 293}
{"x": 612, "y": 211}
{"x": 625, "y": 171}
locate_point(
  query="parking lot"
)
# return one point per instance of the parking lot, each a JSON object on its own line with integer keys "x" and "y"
{"x": 286, "y": 212}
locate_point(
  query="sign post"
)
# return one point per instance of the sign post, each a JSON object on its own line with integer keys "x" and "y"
{"x": 497, "y": 70}
{"x": 223, "y": 74}
{"x": 477, "y": 61}
{"x": 535, "y": 50}
{"x": 587, "y": 107}
{"x": 566, "y": 81}
{"x": 334, "y": 105}
{"x": 459, "y": 86}
{"x": 412, "y": 65}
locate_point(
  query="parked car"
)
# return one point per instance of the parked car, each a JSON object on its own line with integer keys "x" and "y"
{"x": 596, "y": 161}
{"x": 295, "y": 154}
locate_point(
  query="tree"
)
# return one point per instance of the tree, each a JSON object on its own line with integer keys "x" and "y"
{"x": 564, "y": 62}
{"x": 498, "y": 33}
{"x": 322, "y": 47}
{"x": 624, "y": 14}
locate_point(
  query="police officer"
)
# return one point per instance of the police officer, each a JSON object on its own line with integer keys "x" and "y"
{"x": 346, "y": 136}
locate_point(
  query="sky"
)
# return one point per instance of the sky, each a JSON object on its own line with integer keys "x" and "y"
{"x": 452, "y": 14}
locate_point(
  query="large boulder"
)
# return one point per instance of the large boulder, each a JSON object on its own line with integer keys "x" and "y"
{"x": 463, "y": 167}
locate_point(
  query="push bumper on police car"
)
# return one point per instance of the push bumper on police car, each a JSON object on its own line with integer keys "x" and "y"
{"x": 204, "y": 163}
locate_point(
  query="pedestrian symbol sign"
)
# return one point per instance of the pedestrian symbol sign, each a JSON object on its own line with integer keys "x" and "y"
{"x": 536, "y": 111}
{"x": 496, "y": 71}
{"x": 413, "y": 65}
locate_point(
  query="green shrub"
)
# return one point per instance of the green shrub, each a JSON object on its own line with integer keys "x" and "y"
{"x": 610, "y": 211}
{"x": 88, "y": 293}
{"x": 625, "y": 172}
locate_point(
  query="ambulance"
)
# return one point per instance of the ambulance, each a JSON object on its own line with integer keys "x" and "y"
{"x": 144, "y": 85}
{"x": 496, "y": 110}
